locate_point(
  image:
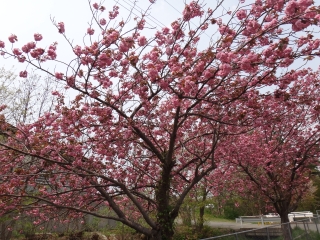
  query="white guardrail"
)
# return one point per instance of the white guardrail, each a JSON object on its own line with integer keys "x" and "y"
{"x": 295, "y": 215}
{"x": 274, "y": 218}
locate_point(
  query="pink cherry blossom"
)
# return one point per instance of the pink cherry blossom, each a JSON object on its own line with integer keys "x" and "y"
{"x": 225, "y": 69}
{"x": 36, "y": 53}
{"x": 113, "y": 14}
{"x": 71, "y": 81}
{"x": 16, "y": 51}
{"x": 141, "y": 24}
{"x": 90, "y": 31}
{"x": 13, "y": 38}
{"x": 241, "y": 14}
{"x": 31, "y": 45}
{"x": 103, "y": 21}
{"x": 59, "y": 75}
{"x": 142, "y": 41}
{"x": 105, "y": 60}
{"x": 95, "y": 6}
{"x": 23, "y": 74}
{"x": 37, "y": 37}
{"x": 61, "y": 27}
{"x": 52, "y": 54}
{"x": 53, "y": 47}
{"x": 251, "y": 27}
{"x": 192, "y": 10}
{"x": 28, "y": 47}
{"x": 21, "y": 59}
{"x": 25, "y": 49}
{"x": 299, "y": 24}
{"x": 124, "y": 46}
{"x": 2, "y": 44}
{"x": 77, "y": 50}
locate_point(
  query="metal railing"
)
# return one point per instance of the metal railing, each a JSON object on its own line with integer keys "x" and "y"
{"x": 306, "y": 229}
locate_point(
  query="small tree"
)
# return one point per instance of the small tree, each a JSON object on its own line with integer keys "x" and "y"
{"x": 150, "y": 113}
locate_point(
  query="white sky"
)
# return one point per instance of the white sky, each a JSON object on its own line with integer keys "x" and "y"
{"x": 26, "y": 17}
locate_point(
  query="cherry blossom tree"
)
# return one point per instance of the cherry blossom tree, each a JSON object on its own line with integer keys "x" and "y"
{"x": 150, "y": 112}
{"x": 277, "y": 158}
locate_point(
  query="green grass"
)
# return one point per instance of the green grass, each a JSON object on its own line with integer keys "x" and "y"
{"x": 298, "y": 233}
{"x": 192, "y": 233}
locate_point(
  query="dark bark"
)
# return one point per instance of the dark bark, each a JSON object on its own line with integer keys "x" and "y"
{"x": 286, "y": 227}
{"x": 164, "y": 219}
{"x": 202, "y": 208}
{"x": 283, "y": 211}
{"x": 201, "y": 218}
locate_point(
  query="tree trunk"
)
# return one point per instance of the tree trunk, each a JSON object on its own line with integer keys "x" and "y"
{"x": 285, "y": 225}
{"x": 202, "y": 208}
{"x": 201, "y": 219}
{"x": 165, "y": 229}
{"x": 165, "y": 220}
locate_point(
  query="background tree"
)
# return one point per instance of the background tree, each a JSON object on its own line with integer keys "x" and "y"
{"x": 278, "y": 157}
{"x": 229, "y": 196}
{"x": 151, "y": 113}
{"x": 193, "y": 210}
{"x": 310, "y": 200}
{"x": 26, "y": 99}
